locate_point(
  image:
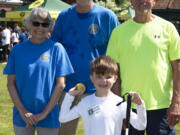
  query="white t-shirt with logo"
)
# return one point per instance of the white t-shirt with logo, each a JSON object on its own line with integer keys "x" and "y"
{"x": 101, "y": 115}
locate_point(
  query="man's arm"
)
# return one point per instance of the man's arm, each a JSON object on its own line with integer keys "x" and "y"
{"x": 116, "y": 89}
{"x": 57, "y": 30}
{"x": 59, "y": 87}
{"x": 3, "y": 36}
{"x": 174, "y": 109}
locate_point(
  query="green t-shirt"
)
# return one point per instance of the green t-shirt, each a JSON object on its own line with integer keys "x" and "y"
{"x": 145, "y": 52}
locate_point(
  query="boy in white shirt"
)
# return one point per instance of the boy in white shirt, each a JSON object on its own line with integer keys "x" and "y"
{"x": 100, "y": 113}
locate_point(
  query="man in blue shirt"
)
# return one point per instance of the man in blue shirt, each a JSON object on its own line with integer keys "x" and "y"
{"x": 84, "y": 30}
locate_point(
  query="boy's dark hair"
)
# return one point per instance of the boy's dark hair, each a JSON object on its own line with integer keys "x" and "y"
{"x": 104, "y": 65}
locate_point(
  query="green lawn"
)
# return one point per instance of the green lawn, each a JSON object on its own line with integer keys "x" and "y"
{"x": 6, "y": 110}
{"x": 5, "y": 107}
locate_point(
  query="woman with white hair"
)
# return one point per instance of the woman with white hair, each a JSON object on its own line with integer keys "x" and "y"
{"x": 36, "y": 73}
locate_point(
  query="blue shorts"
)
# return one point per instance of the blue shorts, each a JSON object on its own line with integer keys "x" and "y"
{"x": 157, "y": 124}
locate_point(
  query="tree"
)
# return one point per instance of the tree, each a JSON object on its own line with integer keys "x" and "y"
{"x": 71, "y": 2}
{"x": 114, "y": 5}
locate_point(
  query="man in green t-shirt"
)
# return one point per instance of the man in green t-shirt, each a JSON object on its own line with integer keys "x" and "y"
{"x": 147, "y": 48}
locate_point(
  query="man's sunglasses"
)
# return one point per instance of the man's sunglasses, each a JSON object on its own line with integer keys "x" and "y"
{"x": 37, "y": 24}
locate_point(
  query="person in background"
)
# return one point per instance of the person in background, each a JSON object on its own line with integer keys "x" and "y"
{"x": 36, "y": 73}
{"x": 84, "y": 30}
{"x": 1, "y": 48}
{"x": 14, "y": 38}
{"x": 17, "y": 28}
{"x": 6, "y": 40}
{"x": 148, "y": 50}
{"x": 100, "y": 113}
{"x": 23, "y": 36}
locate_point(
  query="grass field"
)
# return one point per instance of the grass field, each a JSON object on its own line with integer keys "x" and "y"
{"x": 6, "y": 110}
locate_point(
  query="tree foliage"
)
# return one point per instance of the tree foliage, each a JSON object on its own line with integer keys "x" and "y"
{"x": 114, "y": 5}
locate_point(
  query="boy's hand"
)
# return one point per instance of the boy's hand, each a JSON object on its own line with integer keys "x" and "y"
{"x": 75, "y": 92}
{"x": 135, "y": 98}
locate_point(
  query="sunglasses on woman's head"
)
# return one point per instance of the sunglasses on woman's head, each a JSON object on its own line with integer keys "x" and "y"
{"x": 37, "y": 24}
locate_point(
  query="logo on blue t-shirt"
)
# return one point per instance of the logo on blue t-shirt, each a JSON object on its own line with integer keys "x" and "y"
{"x": 45, "y": 57}
{"x": 93, "y": 28}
